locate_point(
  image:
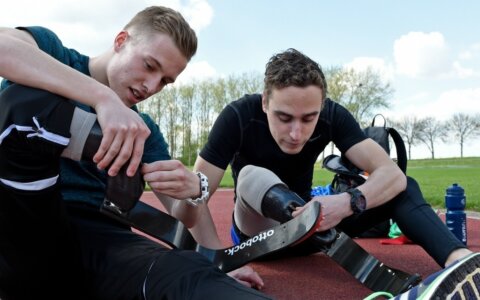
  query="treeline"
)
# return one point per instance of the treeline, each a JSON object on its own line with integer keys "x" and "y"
{"x": 186, "y": 112}
{"x": 429, "y": 131}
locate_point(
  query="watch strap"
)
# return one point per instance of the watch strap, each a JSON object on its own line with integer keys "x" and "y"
{"x": 204, "y": 189}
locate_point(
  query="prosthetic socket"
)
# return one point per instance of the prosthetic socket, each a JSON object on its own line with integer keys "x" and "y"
{"x": 278, "y": 204}
{"x": 122, "y": 191}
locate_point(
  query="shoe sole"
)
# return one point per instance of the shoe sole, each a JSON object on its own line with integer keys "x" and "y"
{"x": 461, "y": 283}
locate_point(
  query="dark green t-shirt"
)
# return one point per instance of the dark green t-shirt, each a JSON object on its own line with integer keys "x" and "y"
{"x": 82, "y": 181}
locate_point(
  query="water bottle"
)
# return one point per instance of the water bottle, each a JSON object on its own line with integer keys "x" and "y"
{"x": 455, "y": 217}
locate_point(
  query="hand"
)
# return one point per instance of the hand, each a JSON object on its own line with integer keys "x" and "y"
{"x": 334, "y": 208}
{"x": 248, "y": 277}
{"x": 124, "y": 135}
{"x": 172, "y": 178}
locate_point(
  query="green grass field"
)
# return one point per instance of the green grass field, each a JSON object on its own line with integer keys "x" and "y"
{"x": 434, "y": 177}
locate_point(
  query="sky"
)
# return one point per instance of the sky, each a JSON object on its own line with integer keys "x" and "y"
{"x": 429, "y": 51}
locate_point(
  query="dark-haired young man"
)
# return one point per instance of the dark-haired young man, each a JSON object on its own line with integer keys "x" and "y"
{"x": 272, "y": 142}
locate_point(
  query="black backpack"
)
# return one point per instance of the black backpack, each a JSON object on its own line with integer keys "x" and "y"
{"x": 348, "y": 175}
{"x": 382, "y": 134}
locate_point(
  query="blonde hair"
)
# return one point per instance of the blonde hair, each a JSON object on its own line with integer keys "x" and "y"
{"x": 166, "y": 20}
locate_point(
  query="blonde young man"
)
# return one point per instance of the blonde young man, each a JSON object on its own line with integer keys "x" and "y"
{"x": 59, "y": 245}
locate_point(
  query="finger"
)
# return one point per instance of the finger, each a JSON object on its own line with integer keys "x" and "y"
{"x": 136, "y": 158}
{"x": 122, "y": 156}
{"x": 298, "y": 210}
{"x": 107, "y": 140}
{"x": 112, "y": 152}
{"x": 245, "y": 283}
{"x": 257, "y": 280}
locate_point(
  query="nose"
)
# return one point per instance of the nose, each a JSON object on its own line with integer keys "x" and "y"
{"x": 295, "y": 131}
{"x": 152, "y": 84}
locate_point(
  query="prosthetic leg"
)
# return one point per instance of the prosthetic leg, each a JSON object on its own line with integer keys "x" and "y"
{"x": 122, "y": 192}
{"x": 279, "y": 203}
{"x": 122, "y": 203}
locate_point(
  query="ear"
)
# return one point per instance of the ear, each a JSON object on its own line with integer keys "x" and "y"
{"x": 120, "y": 39}
{"x": 264, "y": 102}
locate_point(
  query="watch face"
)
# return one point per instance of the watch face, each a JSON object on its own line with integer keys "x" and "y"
{"x": 361, "y": 202}
{"x": 358, "y": 202}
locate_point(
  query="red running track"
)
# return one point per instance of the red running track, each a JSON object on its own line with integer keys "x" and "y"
{"x": 317, "y": 276}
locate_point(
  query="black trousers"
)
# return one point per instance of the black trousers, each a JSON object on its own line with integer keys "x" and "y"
{"x": 413, "y": 214}
{"x": 38, "y": 256}
{"x": 122, "y": 264}
{"x": 415, "y": 217}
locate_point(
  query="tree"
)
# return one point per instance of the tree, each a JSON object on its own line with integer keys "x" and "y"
{"x": 204, "y": 110}
{"x": 169, "y": 106}
{"x": 361, "y": 92}
{"x": 464, "y": 126}
{"x": 432, "y": 131}
{"x": 187, "y": 93}
{"x": 410, "y": 128}
{"x": 251, "y": 83}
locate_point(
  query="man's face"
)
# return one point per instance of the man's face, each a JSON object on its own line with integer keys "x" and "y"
{"x": 143, "y": 65}
{"x": 292, "y": 114}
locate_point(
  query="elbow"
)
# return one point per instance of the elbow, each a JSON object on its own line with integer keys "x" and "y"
{"x": 401, "y": 181}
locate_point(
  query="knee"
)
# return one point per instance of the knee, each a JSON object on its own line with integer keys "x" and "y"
{"x": 251, "y": 175}
{"x": 412, "y": 183}
{"x": 247, "y": 171}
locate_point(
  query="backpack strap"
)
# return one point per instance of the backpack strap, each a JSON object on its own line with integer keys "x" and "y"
{"x": 401, "y": 151}
{"x": 384, "y": 120}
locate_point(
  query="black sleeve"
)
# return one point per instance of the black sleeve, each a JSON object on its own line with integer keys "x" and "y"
{"x": 224, "y": 139}
{"x": 346, "y": 130}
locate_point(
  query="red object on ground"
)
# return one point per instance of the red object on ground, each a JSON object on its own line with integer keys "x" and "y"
{"x": 401, "y": 240}
{"x": 317, "y": 276}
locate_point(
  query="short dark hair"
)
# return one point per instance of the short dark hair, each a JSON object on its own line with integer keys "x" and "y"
{"x": 293, "y": 68}
{"x": 166, "y": 20}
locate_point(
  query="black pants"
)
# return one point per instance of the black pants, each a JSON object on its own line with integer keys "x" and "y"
{"x": 38, "y": 256}
{"x": 47, "y": 252}
{"x": 415, "y": 218}
{"x": 122, "y": 264}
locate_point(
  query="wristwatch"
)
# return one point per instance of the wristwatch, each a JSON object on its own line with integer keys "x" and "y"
{"x": 204, "y": 189}
{"x": 358, "y": 203}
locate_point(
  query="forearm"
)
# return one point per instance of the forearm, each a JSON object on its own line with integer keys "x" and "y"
{"x": 383, "y": 185}
{"x": 197, "y": 218}
{"x": 204, "y": 230}
{"x": 26, "y": 64}
{"x": 179, "y": 209}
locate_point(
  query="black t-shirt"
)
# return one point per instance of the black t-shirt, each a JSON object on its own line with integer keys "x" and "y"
{"x": 240, "y": 136}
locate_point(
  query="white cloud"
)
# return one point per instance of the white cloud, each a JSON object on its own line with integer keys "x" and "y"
{"x": 196, "y": 71}
{"x": 463, "y": 72}
{"x": 199, "y": 14}
{"x": 90, "y": 25}
{"x": 442, "y": 107}
{"x": 376, "y": 64}
{"x": 456, "y": 101}
{"x": 419, "y": 54}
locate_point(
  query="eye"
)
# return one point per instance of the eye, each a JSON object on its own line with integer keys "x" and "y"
{"x": 165, "y": 81}
{"x": 284, "y": 118}
{"x": 308, "y": 119}
{"x": 148, "y": 66}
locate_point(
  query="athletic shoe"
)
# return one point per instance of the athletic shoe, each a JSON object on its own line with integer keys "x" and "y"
{"x": 459, "y": 281}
